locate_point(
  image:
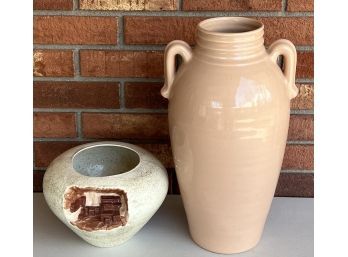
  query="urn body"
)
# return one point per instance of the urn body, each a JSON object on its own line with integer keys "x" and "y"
{"x": 229, "y": 106}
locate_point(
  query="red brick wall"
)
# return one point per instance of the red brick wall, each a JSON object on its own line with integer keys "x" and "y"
{"x": 98, "y": 70}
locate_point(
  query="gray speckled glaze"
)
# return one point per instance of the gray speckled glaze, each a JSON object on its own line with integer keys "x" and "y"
{"x": 105, "y": 166}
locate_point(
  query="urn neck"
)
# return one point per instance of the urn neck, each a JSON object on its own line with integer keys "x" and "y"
{"x": 230, "y": 38}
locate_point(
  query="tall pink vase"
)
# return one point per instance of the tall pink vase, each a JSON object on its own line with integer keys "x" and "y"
{"x": 229, "y": 106}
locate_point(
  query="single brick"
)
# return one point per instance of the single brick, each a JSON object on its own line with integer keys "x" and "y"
{"x": 232, "y": 5}
{"x": 53, "y": 63}
{"x": 305, "y": 98}
{"x": 53, "y": 5}
{"x": 295, "y": 185}
{"x": 300, "y": 6}
{"x": 289, "y": 28}
{"x": 305, "y": 65}
{"x": 301, "y": 127}
{"x": 159, "y": 30}
{"x": 75, "y": 30}
{"x": 129, "y": 5}
{"x": 49, "y": 124}
{"x": 144, "y": 95}
{"x": 162, "y": 30}
{"x": 298, "y": 157}
{"x": 46, "y": 152}
{"x": 121, "y": 63}
{"x": 125, "y": 126}
{"x": 76, "y": 95}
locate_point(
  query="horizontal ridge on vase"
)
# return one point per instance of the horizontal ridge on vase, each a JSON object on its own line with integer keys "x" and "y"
{"x": 229, "y": 109}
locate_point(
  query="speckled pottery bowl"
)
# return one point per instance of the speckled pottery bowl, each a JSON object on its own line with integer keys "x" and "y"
{"x": 105, "y": 192}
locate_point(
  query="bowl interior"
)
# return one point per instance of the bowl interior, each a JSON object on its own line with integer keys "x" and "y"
{"x": 105, "y": 160}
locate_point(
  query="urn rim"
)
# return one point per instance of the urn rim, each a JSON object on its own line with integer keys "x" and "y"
{"x": 231, "y": 26}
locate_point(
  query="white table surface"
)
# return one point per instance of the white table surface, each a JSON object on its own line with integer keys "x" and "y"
{"x": 288, "y": 233}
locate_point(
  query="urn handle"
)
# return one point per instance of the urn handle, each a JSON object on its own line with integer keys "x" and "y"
{"x": 173, "y": 48}
{"x": 288, "y": 51}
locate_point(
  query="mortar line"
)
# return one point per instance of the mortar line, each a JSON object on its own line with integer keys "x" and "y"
{"x": 136, "y": 141}
{"x": 119, "y": 46}
{"x": 75, "y": 5}
{"x": 63, "y": 139}
{"x": 305, "y": 81}
{"x": 120, "y": 31}
{"x": 79, "y": 125}
{"x": 302, "y": 112}
{"x": 129, "y": 140}
{"x": 172, "y": 13}
{"x": 125, "y": 79}
{"x": 308, "y": 48}
{"x": 300, "y": 142}
{"x": 284, "y": 6}
{"x": 36, "y": 168}
{"x": 122, "y": 46}
{"x": 103, "y": 110}
{"x": 76, "y": 62}
{"x": 297, "y": 171}
{"x": 134, "y": 111}
{"x": 180, "y": 5}
{"x": 97, "y": 79}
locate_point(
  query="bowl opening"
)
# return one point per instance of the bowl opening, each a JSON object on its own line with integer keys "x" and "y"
{"x": 105, "y": 160}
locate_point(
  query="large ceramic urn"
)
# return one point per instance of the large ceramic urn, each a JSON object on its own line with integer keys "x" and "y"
{"x": 229, "y": 106}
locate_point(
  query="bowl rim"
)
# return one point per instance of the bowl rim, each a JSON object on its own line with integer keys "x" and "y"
{"x": 102, "y": 144}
